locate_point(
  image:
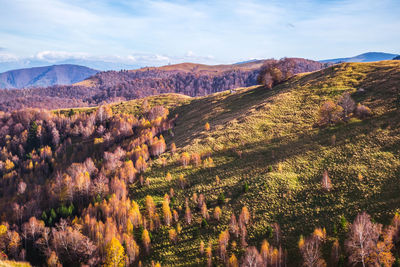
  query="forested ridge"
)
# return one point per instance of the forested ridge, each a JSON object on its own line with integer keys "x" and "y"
{"x": 112, "y": 86}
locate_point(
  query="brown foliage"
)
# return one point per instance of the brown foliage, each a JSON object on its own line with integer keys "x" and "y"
{"x": 329, "y": 113}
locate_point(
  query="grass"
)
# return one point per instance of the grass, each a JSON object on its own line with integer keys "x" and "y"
{"x": 282, "y": 159}
{"x": 133, "y": 107}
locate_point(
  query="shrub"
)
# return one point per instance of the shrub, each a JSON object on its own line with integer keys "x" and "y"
{"x": 221, "y": 199}
{"x": 245, "y": 187}
{"x": 329, "y": 113}
{"x": 362, "y": 111}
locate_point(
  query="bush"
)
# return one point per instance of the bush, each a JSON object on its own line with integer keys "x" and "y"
{"x": 245, "y": 187}
{"x": 362, "y": 111}
{"x": 221, "y": 199}
{"x": 329, "y": 113}
{"x": 204, "y": 223}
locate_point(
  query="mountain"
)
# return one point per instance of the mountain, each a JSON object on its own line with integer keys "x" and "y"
{"x": 246, "y": 61}
{"x": 396, "y": 58}
{"x": 45, "y": 76}
{"x": 187, "y": 78}
{"x": 366, "y": 57}
{"x": 103, "y": 65}
{"x": 173, "y": 180}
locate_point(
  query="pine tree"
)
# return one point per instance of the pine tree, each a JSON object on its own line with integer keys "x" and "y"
{"x": 33, "y": 141}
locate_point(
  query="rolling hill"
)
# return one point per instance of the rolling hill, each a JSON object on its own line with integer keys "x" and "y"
{"x": 45, "y": 76}
{"x": 267, "y": 140}
{"x": 251, "y": 147}
{"x": 366, "y": 57}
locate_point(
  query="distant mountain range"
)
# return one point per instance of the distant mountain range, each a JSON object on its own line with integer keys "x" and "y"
{"x": 366, "y": 57}
{"x": 397, "y": 58}
{"x": 75, "y": 72}
{"x": 102, "y": 65}
{"x": 45, "y": 76}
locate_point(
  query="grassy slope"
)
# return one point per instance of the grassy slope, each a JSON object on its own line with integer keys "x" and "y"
{"x": 275, "y": 128}
{"x": 169, "y": 101}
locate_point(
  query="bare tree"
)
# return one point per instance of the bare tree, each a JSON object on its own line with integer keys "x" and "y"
{"x": 311, "y": 252}
{"x": 252, "y": 258}
{"x": 362, "y": 239}
{"x": 348, "y": 105}
{"x": 326, "y": 181}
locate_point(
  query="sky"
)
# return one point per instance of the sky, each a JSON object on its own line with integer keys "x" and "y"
{"x": 158, "y": 32}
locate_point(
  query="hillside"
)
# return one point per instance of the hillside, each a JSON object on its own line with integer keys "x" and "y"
{"x": 263, "y": 151}
{"x": 45, "y": 76}
{"x": 111, "y": 86}
{"x": 266, "y": 139}
{"x": 366, "y": 57}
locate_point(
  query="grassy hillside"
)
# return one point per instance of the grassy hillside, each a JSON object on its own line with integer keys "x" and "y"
{"x": 267, "y": 139}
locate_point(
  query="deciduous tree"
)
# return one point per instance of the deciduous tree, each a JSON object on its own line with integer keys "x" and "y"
{"x": 329, "y": 113}
{"x": 115, "y": 254}
{"x": 362, "y": 239}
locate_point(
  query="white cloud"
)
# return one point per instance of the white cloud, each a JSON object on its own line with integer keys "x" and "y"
{"x": 59, "y": 55}
{"x": 5, "y": 57}
{"x": 161, "y": 31}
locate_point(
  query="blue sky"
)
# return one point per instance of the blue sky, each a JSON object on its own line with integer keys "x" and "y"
{"x": 157, "y": 32}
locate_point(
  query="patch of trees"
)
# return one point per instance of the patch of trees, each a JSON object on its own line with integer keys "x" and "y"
{"x": 331, "y": 113}
{"x": 274, "y": 71}
{"x": 55, "y": 202}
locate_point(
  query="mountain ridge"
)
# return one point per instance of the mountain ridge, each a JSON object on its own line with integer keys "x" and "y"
{"x": 365, "y": 57}
{"x": 64, "y": 74}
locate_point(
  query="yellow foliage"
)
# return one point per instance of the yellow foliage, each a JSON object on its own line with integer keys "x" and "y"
{"x": 168, "y": 178}
{"x": 3, "y": 229}
{"x": 146, "y": 239}
{"x": 98, "y": 140}
{"x": 320, "y": 233}
{"x": 207, "y": 126}
{"x": 9, "y": 165}
{"x": 185, "y": 158}
{"x": 301, "y": 242}
{"x": 172, "y": 235}
{"x": 115, "y": 254}
{"x": 233, "y": 262}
